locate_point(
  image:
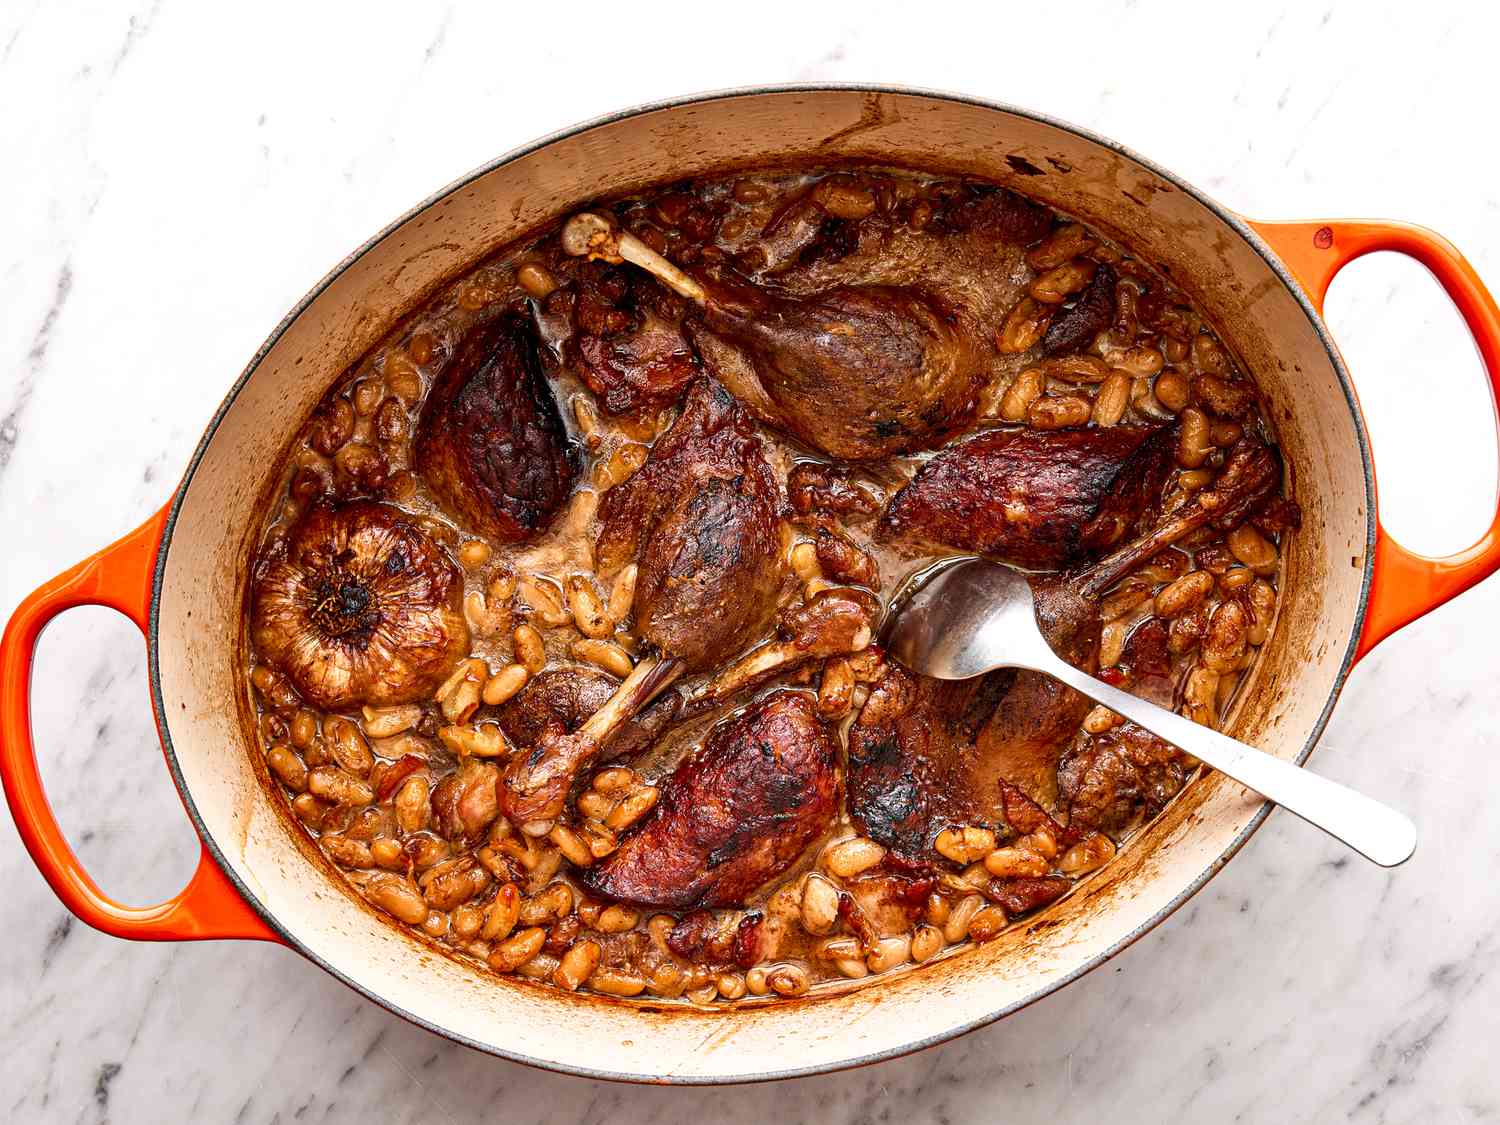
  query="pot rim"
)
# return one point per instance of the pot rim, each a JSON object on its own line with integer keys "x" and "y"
{"x": 1224, "y": 214}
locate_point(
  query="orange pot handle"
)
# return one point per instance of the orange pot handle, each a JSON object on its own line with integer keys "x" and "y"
{"x": 1405, "y": 585}
{"x": 120, "y": 576}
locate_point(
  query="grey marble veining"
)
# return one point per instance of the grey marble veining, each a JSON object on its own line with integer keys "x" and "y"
{"x": 176, "y": 175}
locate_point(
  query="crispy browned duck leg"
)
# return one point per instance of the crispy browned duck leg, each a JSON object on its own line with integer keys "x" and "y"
{"x": 857, "y": 371}
{"x": 490, "y": 443}
{"x": 701, "y": 518}
{"x": 1040, "y": 499}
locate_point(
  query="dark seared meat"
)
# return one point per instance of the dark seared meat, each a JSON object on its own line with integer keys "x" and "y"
{"x": 1074, "y": 328}
{"x": 970, "y": 250}
{"x": 1040, "y": 499}
{"x": 842, "y": 558}
{"x": 732, "y": 816}
{"x": 913, "y": 769}
{"x": 702, "y": 517}
{"x": 1106, "y": 781}
{"x": 630, "y": 345}
{"x": 559, "y": 695}
{"x": 360, "y": 607}
{"x": 718, "y": 940}
{"x": 856, "y": 372}
{"x": 490, "y": 443}
{"x": 832, "y": 622}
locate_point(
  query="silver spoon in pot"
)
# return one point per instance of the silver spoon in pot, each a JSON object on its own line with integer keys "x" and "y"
{"x": 972, "y": 616}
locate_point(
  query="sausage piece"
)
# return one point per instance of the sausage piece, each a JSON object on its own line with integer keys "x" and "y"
{"x": 732, "y": 816}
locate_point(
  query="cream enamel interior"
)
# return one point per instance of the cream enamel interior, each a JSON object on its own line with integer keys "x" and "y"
{"x": 203, "y": 579}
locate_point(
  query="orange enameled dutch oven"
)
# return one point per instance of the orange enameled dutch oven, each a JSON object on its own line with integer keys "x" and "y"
{"x": 182, "y": 577}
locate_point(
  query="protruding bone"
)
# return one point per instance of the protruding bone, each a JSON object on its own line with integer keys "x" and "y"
{"x": 753, "y": 668}
{"x": 1252, "y": 473}
{"x": 594, "y": 236}
{"x": 646, "y": 681}
{"x": 837, "y": 622}
{"x": 535, "y": 785}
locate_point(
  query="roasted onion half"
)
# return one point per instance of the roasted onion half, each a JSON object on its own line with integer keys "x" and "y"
{"x": 361, "y": 607}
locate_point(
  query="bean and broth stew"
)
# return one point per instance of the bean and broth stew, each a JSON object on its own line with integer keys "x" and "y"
{"x": 561, "y": 634}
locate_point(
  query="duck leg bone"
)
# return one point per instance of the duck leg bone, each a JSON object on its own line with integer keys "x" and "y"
{"x": 839, "y": 621}
{"x": 589, "y": 235}
{"x": 534, "y": 787}
{"x": 1251, "y": 474}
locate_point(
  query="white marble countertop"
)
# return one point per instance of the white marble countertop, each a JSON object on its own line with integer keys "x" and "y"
{"x": 175, "y": 175}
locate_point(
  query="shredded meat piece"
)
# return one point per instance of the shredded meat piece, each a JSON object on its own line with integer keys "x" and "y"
{"x": 1109, "y": 780}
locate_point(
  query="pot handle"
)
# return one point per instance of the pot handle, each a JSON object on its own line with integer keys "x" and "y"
{"x": 120, "y": 576}
{"x": 1405, "y": 585}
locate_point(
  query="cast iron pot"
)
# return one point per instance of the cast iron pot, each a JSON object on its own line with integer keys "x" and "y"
{"x": 182, "y": 577}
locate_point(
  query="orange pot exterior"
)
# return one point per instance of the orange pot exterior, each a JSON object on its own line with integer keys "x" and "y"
{"x": 120, "y": 577}
{"x": 1405, "y": 585}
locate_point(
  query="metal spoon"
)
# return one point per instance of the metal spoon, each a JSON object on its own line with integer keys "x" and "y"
{"x": 973, "y": 616}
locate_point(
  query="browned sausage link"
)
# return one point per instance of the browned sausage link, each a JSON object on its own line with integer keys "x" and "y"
{"x": 732, "y": 816}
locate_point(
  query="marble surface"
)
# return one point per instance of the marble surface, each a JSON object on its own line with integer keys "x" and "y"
{"x": 175, "y": 175}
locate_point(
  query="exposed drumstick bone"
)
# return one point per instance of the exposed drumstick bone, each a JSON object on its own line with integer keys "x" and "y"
{"x": 838, "y": 621}
{"x": 1251, "y": 474}
{"x": 594, "y": 236}
{"x": 646, "y": 681}
{"x": 534, "y": 787}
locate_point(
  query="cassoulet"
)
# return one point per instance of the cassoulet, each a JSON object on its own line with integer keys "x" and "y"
{"x": 562, "y": 625}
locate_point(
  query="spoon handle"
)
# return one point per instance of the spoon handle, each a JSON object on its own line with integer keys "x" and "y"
{"x": 1376, "y": 831}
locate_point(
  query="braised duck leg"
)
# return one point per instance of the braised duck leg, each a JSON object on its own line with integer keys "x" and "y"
{"x": 701, "y": 518}
{"x": 856, "y": 371}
